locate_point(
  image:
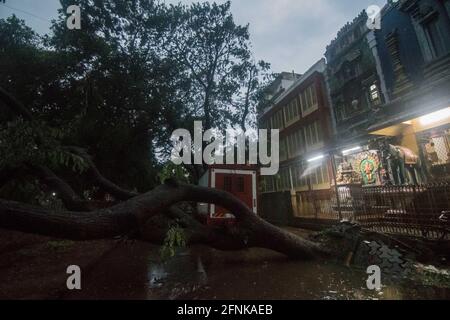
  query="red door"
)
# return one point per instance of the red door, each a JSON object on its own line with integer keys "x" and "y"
{"x": 240, "y": 185}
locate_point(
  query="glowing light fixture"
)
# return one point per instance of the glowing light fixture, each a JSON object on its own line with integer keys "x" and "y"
{"x": 316, "y": 158}
{"x": 435, "y": 117}
{"x": 348, "y": 151}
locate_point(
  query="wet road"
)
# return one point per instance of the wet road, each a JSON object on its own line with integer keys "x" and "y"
{"x": 134, "y": 271}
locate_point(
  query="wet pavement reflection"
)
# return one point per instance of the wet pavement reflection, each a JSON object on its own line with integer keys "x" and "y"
{"x": 135, "y": 271}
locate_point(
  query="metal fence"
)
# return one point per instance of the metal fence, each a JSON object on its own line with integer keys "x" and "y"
{"x": 276, "y": 207}
{"x": 418, "y": 211}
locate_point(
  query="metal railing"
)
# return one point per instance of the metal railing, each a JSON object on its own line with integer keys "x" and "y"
{"x": 418, "y": 211}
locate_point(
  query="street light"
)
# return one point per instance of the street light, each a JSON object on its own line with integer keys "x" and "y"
{"x": 316, "y": 158}
{"x": 435, "y": 117}
{"x": 351, "y": 150}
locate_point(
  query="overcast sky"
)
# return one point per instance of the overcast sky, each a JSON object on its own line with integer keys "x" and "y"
{"x": 290, "y": 34}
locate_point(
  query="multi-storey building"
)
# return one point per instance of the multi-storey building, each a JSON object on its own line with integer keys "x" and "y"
{"x": 302, "y": 115}
{"x": 414, "y": 50}
{"x": 355, "y": 85}
{"x": 384, "y": 85}
{"x": 279, "y": 85}
{"x": 376, "y": 114}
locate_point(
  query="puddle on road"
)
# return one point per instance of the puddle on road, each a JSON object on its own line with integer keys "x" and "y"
{"x": 134, "y": 271}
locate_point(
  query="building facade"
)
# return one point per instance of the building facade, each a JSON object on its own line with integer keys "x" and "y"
{"x": 356, "y": 89}
{"x": 302, "y": 114}
{"x": 366, "y": 135}
{"x": 392, "y": 107}
{"x": 387, "y": 86}
{"x": 414, "y": 50}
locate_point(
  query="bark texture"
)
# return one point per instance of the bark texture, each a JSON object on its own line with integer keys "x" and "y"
{"x": 132, "y": 216}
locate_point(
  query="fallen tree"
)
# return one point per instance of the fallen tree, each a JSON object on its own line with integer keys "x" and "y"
{"x": 149, "y": 216}
{"x": 132, "y": 215}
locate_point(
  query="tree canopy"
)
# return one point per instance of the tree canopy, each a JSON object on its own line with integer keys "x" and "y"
{"x": 118, "y": 88}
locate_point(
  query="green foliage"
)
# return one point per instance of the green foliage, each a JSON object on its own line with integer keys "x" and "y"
{"x": 120, "y": 86}
{"x": 60, "y": 245}
{"x": 432, "y": 276}
{"x": 215, "y": 51}
{"x": 172, "y": 171}
{"x": 175, "y": 238}
{"x": 36, "y": 143}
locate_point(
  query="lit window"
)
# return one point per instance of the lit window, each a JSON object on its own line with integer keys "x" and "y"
{"x": 374, "y": 95}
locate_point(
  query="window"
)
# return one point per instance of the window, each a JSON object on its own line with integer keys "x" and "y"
{"x": 283, "y": 151}
{"x": 277, "y": 182}
{"x": 291, "y": 111}
{"x": 313, "y": 177}
{"x": 307, "y": 136}
{"x": 374, "y": 94}
{"x": 320, "y": 175}
{"x": 291, "y": 145}
{"x": 287, "y": 113}
{"x": 284, "y": 179}
{"x": 308, "y": 97}
{"x": 308, "y": 100}
{"x": 299, "y": 180}
{"x": 323, "y": 174}
{"x": 313, "y": 95}
{"x": 269, "y": 184}
{"x": 277, "y": 120}
{"x": 435, "y": 37}
{"x": 313, "y": 134}
{"x": 295, "y": 143}
{"x": 301, "y": 141}
{"x": 314, "y": 137}
{"x": 303, "y": 103}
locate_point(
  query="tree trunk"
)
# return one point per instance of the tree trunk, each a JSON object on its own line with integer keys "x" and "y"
{"x": 132, "y": 215}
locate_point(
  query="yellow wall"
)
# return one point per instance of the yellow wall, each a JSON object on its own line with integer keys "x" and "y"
{"x": 407, "y": 131}
{"x": 409, "y": 140}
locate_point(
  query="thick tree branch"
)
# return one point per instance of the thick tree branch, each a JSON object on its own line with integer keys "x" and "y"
{"x": 134, "y": 213}
{"x": 68, "y": 196}
{"x": 106, "y": 184}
